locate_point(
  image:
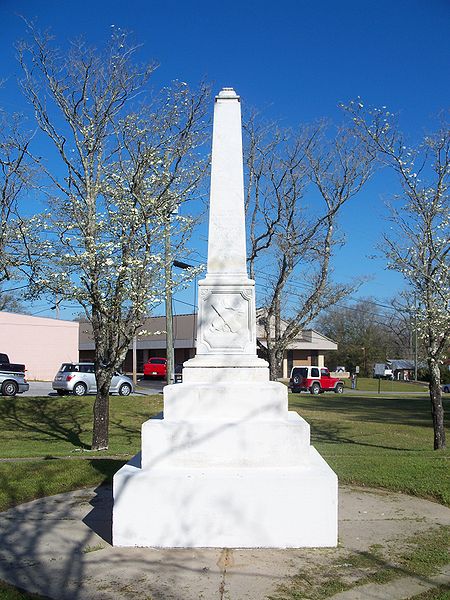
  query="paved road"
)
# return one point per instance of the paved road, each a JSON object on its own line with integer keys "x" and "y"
{"x": 146, "y": 387}
{"x": 44, "y": 388}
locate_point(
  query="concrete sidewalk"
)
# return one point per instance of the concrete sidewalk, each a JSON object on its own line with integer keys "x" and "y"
{"x": 60, "y": 547}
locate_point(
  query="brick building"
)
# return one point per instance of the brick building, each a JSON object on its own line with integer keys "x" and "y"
{"x": 307, "y": 349}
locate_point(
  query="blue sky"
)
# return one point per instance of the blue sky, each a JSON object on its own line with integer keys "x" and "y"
{"x": 297, "y": 60}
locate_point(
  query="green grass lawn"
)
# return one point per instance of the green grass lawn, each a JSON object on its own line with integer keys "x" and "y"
{"x": 53, "y": 426}
{"x": 372, "y": 440}
{"x": 370, "y": 384}
{"x": 379, "y": 441}
{"x": 46, "y": 428}
{"x": 375, "y": 441}
{"x": 10, "y": 592}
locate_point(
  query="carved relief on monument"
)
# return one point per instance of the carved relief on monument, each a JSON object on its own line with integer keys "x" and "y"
{"x": 226, "y": 319}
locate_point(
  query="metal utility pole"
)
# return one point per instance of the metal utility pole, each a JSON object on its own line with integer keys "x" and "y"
{"x": 415, "y": 337}
{"x": 134, "y": 360}
{"x": 168, "y": 263}
{"x": 169, "y": 313}
{"x": 363, "y": 348}
{"x": 56, "y": 307}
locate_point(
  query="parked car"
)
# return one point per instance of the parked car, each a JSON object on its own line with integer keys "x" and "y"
{"x": 13, "y": 383}
{"x": 446, "y": 388}
{"x": 315, "y": 380}
{"x": 12, "y": 377}
{"x": 155, "y": 367}
{"x": 79, "y": 379}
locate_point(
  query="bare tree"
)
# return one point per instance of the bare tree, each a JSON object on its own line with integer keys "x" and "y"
{"x": 16, "y": 175}
{"x": 367, "y": 332}
{"x": 418, "y": 245}
{"x": 125, "y": 164}
{"x": 297, "y": 185}
{"x": 11, "y": 302}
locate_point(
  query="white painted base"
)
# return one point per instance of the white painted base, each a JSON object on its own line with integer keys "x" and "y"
{"x": 226, "y": 401}
{"x": 206, "y": 444}
{"x": 167, "y": 507}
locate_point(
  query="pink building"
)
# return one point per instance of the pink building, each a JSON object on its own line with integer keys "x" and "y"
{"x": 41, "y": 344}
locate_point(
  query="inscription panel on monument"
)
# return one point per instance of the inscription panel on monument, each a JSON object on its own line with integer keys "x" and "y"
{"x": 226, "y": 318}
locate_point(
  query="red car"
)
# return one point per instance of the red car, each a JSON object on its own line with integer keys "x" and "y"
{"x": 155, "y": 367}
{"x": 315, "y": 380}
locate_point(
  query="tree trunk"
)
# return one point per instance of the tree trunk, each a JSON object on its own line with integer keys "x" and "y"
{"x": 437, "y": 410}
{"x": 275, "y": 358}
{"x": 100, "y": 433}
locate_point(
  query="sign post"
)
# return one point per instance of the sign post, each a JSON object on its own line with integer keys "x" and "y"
{"x": 378, "y": 371}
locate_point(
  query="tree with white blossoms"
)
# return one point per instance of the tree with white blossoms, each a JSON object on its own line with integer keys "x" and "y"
{"x": 418, "y": 242}
{"x": 125, "y": 164}
{"x": 298, "y": 183}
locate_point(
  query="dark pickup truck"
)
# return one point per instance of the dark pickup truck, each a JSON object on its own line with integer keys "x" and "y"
{"x": 8, "y": 367}
{"x": 12, "y": 377}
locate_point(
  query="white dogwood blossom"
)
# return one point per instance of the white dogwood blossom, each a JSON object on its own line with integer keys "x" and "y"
{"x": 126, "y": 165}
{"x": 419, "y": 243}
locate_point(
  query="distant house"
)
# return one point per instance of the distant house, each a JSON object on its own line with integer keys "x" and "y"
{"x": 307, "y": 349}
{"x": 402, "y": 369}
{"x": 40, "y": 343}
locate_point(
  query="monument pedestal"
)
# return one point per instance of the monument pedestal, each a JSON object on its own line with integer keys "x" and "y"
{"x": 247, "y": 507}
{"x": 228, "y": 466}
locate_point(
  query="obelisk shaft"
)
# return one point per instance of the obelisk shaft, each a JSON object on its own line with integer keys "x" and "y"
{"x": 226, "y": 326}
{"x": 226, "y": 238}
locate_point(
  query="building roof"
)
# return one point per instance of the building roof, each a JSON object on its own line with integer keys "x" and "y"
{"x": 397, "y": 364}
{"x": 153, "y": 335}
{"x": 308, "y": 339}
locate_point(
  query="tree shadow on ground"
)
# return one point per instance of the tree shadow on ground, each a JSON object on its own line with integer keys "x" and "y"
{"x": 132, "y": 433}
{"x": 401, "y": 411}
{"x": 332, "y": 433}
{"x": 43, "y": 418}
{"x": 349, "y": 572}
{"x": 58, "y": 547}
{"x": 61, "y": 548}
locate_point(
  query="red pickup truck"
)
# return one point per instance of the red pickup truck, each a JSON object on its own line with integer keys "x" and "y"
{"x": 315, "y": 380}
{"x": 155, "y": 367}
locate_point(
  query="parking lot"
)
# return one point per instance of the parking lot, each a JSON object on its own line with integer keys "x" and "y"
{"x": 44, "y": 388}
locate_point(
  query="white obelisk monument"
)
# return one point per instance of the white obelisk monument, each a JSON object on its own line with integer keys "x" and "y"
{"x": 228, "y": 465}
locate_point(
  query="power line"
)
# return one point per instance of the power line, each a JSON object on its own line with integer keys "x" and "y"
{"x": 20, "y": 287}
{"x": 186, "y": 303}
{"x": 304, "y": 285}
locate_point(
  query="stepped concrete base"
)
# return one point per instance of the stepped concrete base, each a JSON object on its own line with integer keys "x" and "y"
{"x": 169, "y": 507}
{"x": 205, "y": 444}
{"x": 226, "y": 401}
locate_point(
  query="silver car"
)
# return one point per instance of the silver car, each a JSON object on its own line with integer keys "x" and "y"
{"x": 79, "y": 379}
